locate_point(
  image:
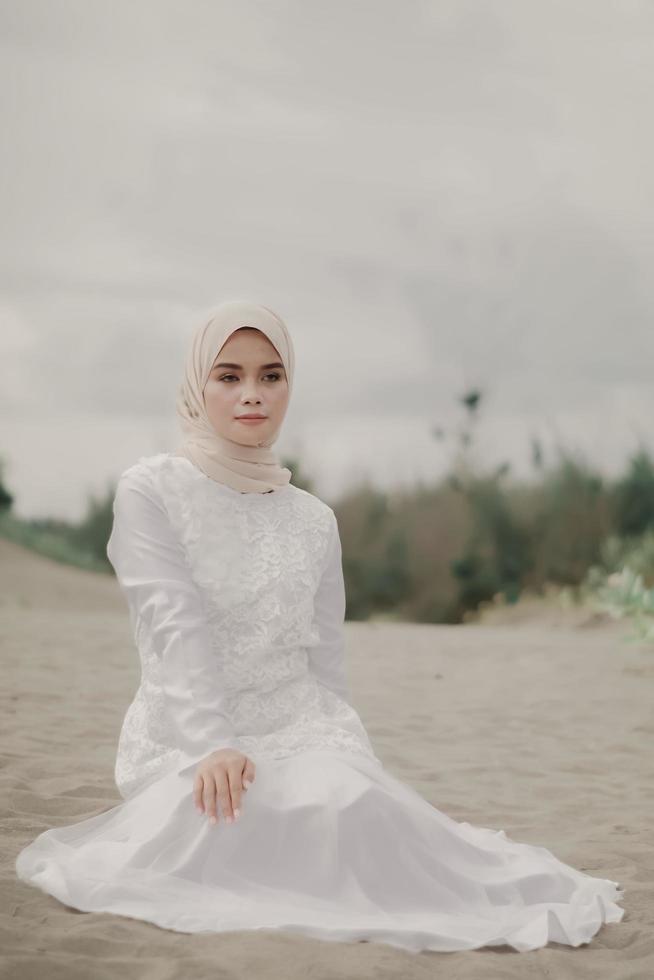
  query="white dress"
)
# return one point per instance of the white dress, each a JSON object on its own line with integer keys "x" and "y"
{"x": 237, "y": 605}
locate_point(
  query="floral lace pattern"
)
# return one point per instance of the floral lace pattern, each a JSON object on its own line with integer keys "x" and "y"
{"x": 257, "y": 560}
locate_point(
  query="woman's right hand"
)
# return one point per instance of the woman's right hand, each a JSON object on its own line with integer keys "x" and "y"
{"x": 220, "y": 778}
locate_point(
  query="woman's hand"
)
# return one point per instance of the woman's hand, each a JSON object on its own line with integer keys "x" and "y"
{"x": 221, "y": 776}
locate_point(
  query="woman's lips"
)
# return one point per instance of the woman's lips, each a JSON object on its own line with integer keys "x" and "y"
{"x": 250, "y": 421}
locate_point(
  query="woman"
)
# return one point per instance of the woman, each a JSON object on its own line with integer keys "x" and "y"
{"x": 234, "y": 585}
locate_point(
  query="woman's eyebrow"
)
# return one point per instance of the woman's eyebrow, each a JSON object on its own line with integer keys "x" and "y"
{"x": 239, "y": 367}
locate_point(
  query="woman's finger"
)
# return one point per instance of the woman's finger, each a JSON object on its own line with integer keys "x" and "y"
{"x": 198, "y": 784}
{"x": 209, "y": 797}
{"x": 235, "y": 779}
{"x": 223, "y": 793}
{"x": 248, "y": 774}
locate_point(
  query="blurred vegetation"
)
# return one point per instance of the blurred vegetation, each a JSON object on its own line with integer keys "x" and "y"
{"x": 434, "y": 553}
{"x": 622, "y": 582}
{"x": 81, "y": 543}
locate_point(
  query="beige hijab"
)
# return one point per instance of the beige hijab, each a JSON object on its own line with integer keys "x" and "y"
{"x": 245, "y": 468}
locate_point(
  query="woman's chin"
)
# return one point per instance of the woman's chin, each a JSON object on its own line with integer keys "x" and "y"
{"x": 248, "y": 436}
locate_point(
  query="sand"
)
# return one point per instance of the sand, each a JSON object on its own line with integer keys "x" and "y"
{"x": 534, "y": 720}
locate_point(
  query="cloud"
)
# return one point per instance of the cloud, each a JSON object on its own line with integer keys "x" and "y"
{"x": 433, "y": 195}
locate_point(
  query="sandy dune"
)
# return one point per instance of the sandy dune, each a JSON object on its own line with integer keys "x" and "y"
{"x": 542, "y": 727}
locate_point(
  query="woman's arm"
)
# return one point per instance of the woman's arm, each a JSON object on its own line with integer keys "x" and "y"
{"x": 166, "y": 605}
{"x": 327, "y": 659}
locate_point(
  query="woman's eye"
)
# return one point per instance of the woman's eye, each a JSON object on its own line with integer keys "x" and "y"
{"x": 273, "y": 374}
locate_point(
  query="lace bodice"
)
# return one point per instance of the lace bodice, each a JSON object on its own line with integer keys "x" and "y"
{"x": 236, "y": 602}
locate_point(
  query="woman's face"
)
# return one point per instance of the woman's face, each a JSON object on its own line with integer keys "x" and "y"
{"x": 247, "y": 378}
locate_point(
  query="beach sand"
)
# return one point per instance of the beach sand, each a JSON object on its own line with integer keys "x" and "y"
{"x": 535, "y": 720}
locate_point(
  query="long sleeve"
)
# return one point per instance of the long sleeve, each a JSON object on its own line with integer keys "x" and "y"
{"x": 327, "y": 658}
{"x": 167, "y": 607}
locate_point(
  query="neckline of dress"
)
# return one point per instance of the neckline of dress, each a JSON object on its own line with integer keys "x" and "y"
{"x": 231, "y": 491}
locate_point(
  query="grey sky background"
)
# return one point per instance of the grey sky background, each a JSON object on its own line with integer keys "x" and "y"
{"x": 433, "y": 195}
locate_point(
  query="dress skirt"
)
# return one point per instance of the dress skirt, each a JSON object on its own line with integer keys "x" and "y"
{"x": 329, "y": 845}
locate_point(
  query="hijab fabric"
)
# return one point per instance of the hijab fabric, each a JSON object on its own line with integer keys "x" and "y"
{"x": 250, "y": 469}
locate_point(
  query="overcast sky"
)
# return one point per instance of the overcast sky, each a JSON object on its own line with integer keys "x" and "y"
{"x": 433, "y": 195}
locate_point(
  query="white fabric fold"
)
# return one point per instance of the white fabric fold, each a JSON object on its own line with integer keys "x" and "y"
{"x": 167, "y": 612}
{"x": 327, "y": 656}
